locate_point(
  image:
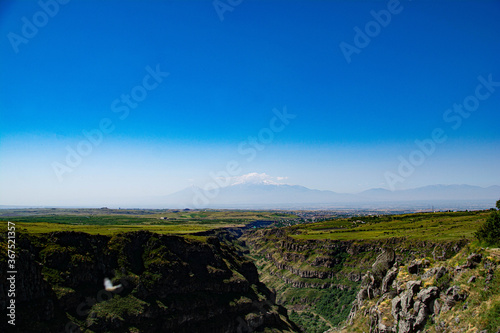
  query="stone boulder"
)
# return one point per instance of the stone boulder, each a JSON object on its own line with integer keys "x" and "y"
{"x": 438, "y": 272}
{"x": 412, "y": 307}
{"x": 428, "y": 294}
{"x": 412, "y": 287}
{"x": 416, "y": 266}
{"x": 453, "y": 295}
{"x": 472, "y": 261}
{"x": 384, "y": 261}
{"x": 388, "y": 279}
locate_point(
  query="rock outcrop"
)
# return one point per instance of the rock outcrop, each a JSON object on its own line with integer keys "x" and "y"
{"x": 411, "y": 296}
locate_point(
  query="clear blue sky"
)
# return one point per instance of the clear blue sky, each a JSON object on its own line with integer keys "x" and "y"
{"x": 353, "y": 119}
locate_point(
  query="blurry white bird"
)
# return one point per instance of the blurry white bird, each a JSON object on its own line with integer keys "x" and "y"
{"x": 108, "y": 285}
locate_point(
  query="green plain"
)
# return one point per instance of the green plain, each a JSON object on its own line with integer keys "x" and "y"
{"x": 111, "y": 221}
{"x": 419, "y": 226}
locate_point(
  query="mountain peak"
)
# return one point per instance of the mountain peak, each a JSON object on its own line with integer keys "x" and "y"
{"x": 255, "y": 178}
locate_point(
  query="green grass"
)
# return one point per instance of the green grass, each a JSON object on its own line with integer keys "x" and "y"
{"x": 422, "y": 226}
{"x": 493, "y": 318}
{"x": 335, "y": 304}
{"x": 111, "y": 221}
{"x": 118, "y": 308}
{"x": 124, "y": 214}
{"x": 44, "y": 227}
{"x": 309, "y": 322}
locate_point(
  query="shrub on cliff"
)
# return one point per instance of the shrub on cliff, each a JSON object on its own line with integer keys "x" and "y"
{"x": 489, "y": 232}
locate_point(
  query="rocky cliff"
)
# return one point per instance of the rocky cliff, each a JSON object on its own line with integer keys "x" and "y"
{"x": 332, "y": 263}
{"x": 460, "y": 294}
{"x": 318, "y": 276}
{"x": 168, "y": 284}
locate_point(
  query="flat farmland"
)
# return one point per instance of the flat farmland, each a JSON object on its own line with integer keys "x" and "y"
{"x": 110, "y": 221}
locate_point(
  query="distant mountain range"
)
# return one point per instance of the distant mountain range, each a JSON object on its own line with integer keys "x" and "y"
{"x": 271, "y": 195}
{"x": 266, "y": 195}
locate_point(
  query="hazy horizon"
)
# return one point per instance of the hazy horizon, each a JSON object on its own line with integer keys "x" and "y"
{"x": 123, "y": 99}
{"x": 256, "y": 193}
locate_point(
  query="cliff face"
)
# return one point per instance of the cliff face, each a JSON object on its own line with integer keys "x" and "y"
{"x": 169, "y": 283}
{"x": 330, "y": 263}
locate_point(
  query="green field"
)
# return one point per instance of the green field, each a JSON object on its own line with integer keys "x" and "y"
{"x": 420, "y": 226}
{"x": 110, "y": 221}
